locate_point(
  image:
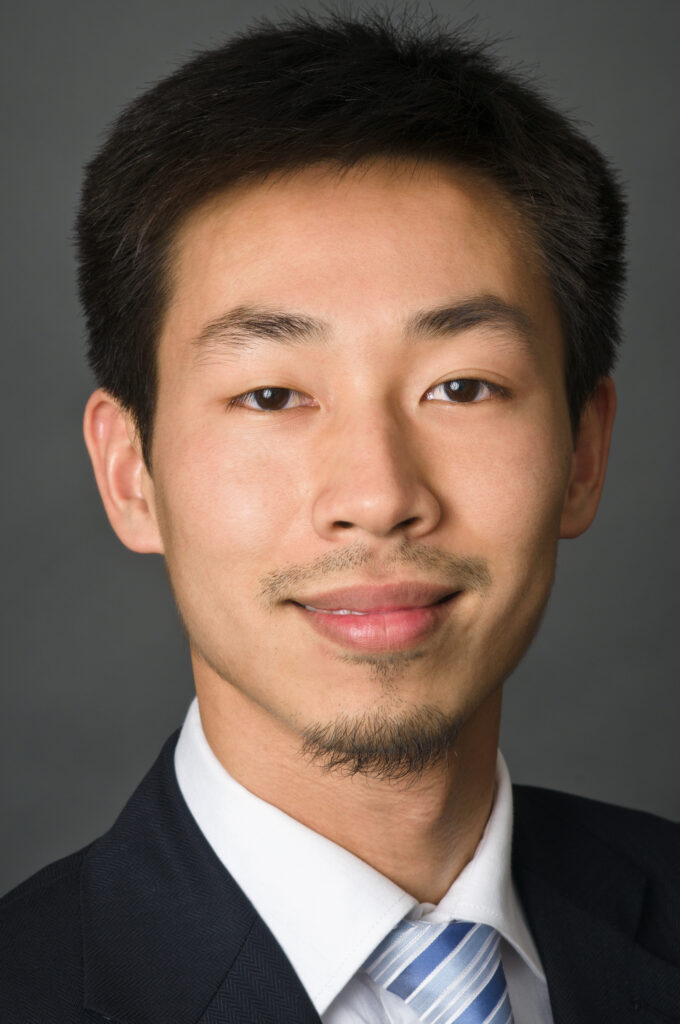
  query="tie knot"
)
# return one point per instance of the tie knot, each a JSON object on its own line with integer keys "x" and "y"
{"x": 445, "y": 972}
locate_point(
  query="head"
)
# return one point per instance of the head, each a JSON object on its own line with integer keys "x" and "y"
{"x": 263, "y": 238}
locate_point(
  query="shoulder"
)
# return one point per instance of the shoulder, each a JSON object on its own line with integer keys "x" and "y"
{"x": 621, "y": 864}
{"x": 600, "y": 887}
{"x": 643, "y": 837}
{"x": 40, "y": 946}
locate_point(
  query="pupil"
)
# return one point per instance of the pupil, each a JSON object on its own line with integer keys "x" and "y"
{"x": 462, "y": 390}
{"x": 272, "y": 398}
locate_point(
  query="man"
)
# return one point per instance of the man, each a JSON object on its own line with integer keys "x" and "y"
{"x": 352, "y": 299}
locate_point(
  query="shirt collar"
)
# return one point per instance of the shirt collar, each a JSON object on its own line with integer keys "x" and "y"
{"x": 327, "y": 908}
{"x": 484, "y": 891}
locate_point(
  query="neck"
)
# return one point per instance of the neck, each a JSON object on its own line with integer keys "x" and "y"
{"x": 420, "y": 832}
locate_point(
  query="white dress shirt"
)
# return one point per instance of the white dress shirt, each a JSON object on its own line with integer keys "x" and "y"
{"x": 329, "y": 910}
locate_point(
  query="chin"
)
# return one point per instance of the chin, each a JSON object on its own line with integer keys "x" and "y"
{"x": 385, "y": 743}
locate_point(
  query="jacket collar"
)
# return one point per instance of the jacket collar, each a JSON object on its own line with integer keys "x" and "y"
{"x": 584, "y": 901}
{"x": 167, "y": 933}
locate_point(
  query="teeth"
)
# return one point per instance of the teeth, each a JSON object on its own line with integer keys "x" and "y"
{"x": 333, "y": 611}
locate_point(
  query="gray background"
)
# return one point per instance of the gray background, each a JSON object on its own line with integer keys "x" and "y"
{"x": 96, "y": 673}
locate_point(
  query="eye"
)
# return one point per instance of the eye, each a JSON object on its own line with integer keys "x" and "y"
{"x": 463, "y": 390}
{"x": 270, "y": 399}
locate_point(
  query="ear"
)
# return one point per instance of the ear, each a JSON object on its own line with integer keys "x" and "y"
{"x": 589, "y": 461}
{"x": 123, "y": 480}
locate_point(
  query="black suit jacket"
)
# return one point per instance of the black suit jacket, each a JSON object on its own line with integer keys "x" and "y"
{"x": 145, "y": 926}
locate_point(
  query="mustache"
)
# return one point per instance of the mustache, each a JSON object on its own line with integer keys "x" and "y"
{"x": 463, "y": 572}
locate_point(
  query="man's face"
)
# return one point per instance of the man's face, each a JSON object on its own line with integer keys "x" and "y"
{"x": 362, "y": 444}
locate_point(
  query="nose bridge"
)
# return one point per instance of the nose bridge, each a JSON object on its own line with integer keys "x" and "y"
{"x": 372, "y": 477}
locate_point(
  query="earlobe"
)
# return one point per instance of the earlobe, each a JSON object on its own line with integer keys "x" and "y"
{"x": 589, "y": 461}
{"x": 124, "y": 483}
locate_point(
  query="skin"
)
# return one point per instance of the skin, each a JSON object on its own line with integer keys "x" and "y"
{"x": 373, "y": 468}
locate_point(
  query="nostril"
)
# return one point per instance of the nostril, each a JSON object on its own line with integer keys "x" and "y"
{"x": 344, "y": 525}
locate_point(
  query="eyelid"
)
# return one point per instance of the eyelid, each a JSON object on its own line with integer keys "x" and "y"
{"x": 493, "y": 389}
{"x": 240, "y": 401}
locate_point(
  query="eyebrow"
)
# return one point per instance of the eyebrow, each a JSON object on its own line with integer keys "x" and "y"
{"x": 480, "y": 311}
{"x": 246, "y": 325}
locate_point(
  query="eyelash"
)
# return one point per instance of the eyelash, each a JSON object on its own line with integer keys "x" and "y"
{"x": 493, "y": 389}
{"x": 239, "y": 401}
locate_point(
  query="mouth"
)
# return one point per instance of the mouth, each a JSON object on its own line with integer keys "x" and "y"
{"x": 375, "y": 619}
{"x": 374, "y": 611}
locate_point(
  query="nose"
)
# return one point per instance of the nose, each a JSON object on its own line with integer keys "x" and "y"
{"x": 373, "y": 482}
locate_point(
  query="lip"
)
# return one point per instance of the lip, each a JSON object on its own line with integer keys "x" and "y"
{"x": 378, "y": 618}
{"x": 389, "y": 598}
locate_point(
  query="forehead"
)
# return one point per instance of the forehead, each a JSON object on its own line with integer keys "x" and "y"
{"x": 363, "y": 247}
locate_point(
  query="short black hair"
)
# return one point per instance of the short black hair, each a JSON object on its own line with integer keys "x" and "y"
{"x": 342, "y": 90}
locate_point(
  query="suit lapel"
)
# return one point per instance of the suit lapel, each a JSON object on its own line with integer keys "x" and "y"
{"x": 260, "y": 987}
{"x": 167, "y": 933}
{"x": 586, "y": 961}
{"x": 584, "y": 902}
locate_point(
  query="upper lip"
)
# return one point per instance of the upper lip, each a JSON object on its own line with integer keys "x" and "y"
{"x": 392, "y": 597}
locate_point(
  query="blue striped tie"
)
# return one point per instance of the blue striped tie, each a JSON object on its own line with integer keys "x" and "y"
{"x": 445, "y": 972}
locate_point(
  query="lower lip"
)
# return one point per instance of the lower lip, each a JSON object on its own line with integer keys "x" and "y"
{"x": 390, "y": 630}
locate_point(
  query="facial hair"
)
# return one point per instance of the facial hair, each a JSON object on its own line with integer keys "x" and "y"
{"x": 381, "y": 745}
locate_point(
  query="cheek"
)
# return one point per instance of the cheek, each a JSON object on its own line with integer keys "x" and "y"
{"x": 224, "y": 506}
{"x": 509, "y": 488}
